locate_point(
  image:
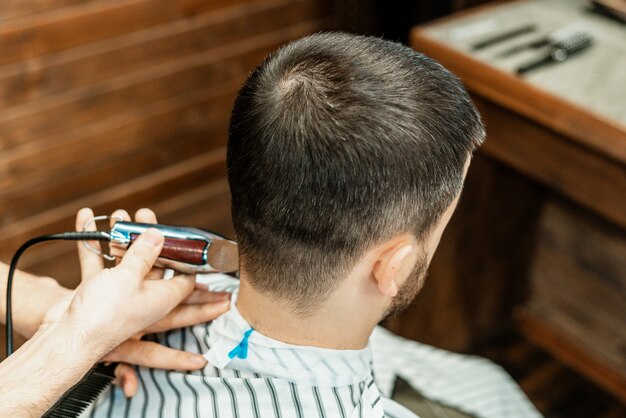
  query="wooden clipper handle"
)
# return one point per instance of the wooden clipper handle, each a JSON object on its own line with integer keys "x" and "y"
{"x": 184, "y": 250}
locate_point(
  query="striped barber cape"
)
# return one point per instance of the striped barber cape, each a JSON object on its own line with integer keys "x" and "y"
{"x": 256, "y": 376}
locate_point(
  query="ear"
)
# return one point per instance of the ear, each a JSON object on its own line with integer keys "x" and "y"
{"x": 396, "y": 260}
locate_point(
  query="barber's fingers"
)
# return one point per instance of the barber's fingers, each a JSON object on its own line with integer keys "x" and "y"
{"x": 90, "y": 262}
{"x": 143, "y": 216}
{"x": 167, "y": 294}
{"x": 147, "y": 216}
{"x": 115, "y": 217}
{"x": 187, "y": 315}
{"x": 140, "y": 257}
{"x": 205, "y": 296}
{"x": 151, "y": 354}
{"x": 126, "y": 378}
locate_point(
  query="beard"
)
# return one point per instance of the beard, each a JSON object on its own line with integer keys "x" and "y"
{"x": 408, "y": 290}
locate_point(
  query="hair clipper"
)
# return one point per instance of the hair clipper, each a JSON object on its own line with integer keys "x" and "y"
{"x": 186, "y": 249}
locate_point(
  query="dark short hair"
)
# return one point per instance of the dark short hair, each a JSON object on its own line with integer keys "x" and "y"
{"x": 336, "y": 143}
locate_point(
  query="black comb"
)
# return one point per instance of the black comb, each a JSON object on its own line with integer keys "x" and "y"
{"x": 76, "y": 400}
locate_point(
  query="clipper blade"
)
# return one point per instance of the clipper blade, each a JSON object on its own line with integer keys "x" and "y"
{"x": 223, "y": 256}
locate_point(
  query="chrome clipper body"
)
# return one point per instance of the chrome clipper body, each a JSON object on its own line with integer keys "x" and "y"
{"x": 186, "y": 249}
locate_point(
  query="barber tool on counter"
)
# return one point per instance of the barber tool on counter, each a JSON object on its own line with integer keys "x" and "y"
{"x": 554, "y": 38}
{"x": 503, "y": 37}
{"x": 563, "y": 43}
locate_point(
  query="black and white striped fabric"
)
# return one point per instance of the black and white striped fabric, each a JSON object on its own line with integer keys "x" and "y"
{"x": 471, "y": 384}
{"x": 281, "y": 380}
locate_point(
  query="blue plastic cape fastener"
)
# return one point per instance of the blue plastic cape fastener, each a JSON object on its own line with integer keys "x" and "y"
{"x": 241, "y": 350}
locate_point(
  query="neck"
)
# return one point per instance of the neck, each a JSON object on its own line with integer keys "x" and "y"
{"x": 342, "y": 322}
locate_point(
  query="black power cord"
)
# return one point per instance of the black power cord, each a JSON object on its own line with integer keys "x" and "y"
{"x": 66, "y": 236}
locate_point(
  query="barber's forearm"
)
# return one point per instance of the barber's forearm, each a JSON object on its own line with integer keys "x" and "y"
{"x": 32, "y": 295}
{"x": 37, "y": 374}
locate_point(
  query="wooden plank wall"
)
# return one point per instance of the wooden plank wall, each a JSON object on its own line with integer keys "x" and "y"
{"x": 124, "y": 103}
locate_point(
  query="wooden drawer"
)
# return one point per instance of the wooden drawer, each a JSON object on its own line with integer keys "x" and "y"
{"x": 577, "y": 303}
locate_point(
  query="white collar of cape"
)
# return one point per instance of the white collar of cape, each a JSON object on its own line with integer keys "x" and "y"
{"x": 271, "y": 358}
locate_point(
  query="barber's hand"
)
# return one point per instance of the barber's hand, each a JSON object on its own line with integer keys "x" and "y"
{"x": 200, "y": 306}
{"x": 129, "y": 307}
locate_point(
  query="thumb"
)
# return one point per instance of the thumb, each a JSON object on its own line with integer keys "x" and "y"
{"x": 143, "y": 253}
{"x": 170, "y": 293}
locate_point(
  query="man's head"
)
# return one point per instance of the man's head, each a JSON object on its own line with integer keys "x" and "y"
{"x": 343, "y": 147}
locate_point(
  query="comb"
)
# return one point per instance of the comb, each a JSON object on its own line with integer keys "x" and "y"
{"x": 83, "y": 394}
